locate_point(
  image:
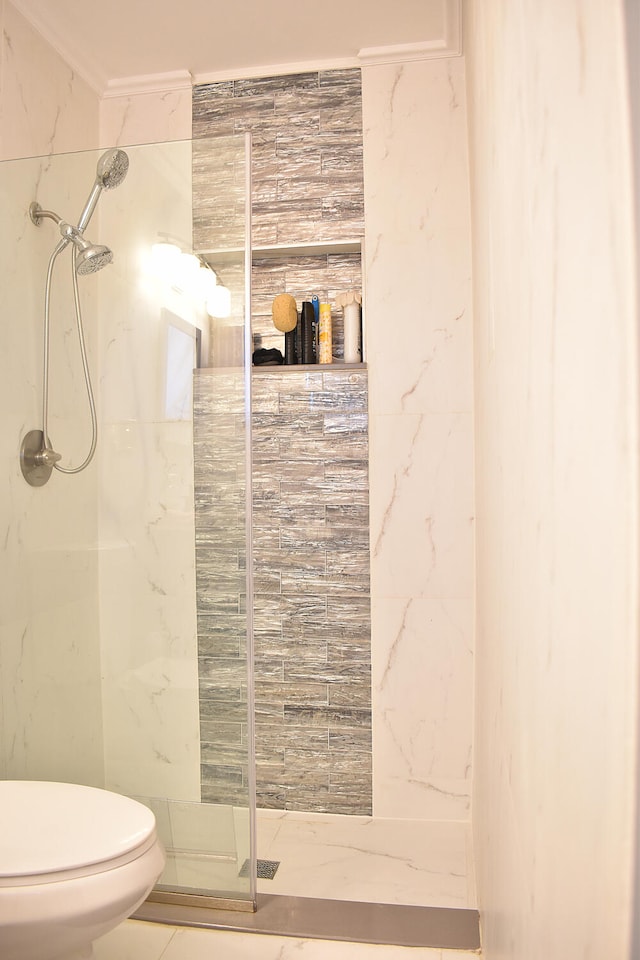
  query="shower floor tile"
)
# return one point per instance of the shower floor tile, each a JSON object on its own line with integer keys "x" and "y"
{"x": 421, "y": 863}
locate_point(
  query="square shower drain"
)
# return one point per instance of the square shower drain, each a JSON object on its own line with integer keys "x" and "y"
{"x": 266, "y": 869}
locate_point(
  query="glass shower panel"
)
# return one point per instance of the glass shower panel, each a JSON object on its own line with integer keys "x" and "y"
{"x": 109, "y": 623}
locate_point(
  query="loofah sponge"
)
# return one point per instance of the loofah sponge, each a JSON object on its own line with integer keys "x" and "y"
{"x": 284, "y": 312}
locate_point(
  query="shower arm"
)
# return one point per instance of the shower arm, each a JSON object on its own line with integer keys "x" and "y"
{"x": 69, "y": 234}
{"x": 37, "y": 214}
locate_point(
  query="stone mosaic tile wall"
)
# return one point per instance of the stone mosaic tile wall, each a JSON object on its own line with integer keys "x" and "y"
{"x": 220, "y": 535}
{"x": 310, "y": 460}
{"x": 307, "y": 184}
{"x": 306, "y": 135}
{"x": 311, "y": 607}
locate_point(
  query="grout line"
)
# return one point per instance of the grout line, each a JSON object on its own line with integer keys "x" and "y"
{"x": 167, "y": 944}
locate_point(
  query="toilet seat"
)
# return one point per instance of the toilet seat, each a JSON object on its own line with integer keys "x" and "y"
{"x": 56, "y": 831}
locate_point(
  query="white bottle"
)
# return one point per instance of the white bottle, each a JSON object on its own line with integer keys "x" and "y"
{"x": 350, "y": 303}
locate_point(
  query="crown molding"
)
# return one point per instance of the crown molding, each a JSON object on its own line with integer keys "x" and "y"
{"x": 447, "y": 45}
{"x": 275, "y": 70}
{"x": 148, "y": 83}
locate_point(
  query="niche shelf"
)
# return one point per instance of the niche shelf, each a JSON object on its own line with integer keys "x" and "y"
{"x": 283, "y": 251}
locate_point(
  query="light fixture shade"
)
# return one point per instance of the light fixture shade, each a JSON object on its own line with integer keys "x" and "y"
{"x": 164, "y": 255}
{"x": 186, "y": 272}
{"x": 219, "y": 302}
{"x": 206, "y": 282}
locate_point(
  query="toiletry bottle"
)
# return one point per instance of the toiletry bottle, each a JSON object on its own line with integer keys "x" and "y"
{"x": 316, "y": 328}
{"x": 308, "y": 354}
{"x": 325, "y": 333}
{"x": 352, "y": 319}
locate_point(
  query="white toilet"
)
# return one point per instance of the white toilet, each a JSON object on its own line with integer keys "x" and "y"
{"x": 74, "y": 862}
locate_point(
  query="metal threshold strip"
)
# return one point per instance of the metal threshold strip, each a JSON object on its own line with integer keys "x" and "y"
{"x": 310, "y": 918}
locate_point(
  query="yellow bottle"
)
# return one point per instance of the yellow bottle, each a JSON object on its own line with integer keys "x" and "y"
{"x": 324, "y": 332}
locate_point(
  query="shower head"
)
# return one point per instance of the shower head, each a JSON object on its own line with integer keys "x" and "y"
{"x": 112, "y": 168}
{"x": 93, "y": 258}
{"x": 111, "y": 171}
{"x": 90, "y": 257}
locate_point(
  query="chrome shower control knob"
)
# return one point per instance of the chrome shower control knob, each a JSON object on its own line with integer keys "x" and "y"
{"x": 47, "y": 457}
{"x": 37, "y": 460}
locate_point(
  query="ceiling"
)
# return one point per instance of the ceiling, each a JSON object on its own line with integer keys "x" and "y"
{"x": 213, "y": 38}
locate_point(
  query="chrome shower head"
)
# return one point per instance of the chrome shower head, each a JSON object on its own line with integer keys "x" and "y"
{"x": 111, "y": 171}
{"x": 93, "y": 258}
{"x": 89, "y": 257}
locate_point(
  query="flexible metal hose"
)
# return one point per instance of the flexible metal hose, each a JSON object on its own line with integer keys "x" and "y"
{"x": 83, "y": 353}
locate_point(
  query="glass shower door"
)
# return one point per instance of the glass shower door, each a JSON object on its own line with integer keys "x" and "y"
{"x": 125, "y": 574}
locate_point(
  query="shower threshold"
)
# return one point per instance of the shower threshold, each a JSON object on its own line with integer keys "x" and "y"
{"x": 311, "y": 918}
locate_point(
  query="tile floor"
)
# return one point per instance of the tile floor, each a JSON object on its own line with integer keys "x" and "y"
{"x": 135, "y": 940}
{"x": 350, "y": 858}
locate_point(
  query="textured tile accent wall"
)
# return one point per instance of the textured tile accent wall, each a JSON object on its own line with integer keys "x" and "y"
{"x": 306, "y": 135}
{"x": 310, "y": 459}
{"x": 311, "y": 610}
{"x": 311, "y": 588}
{"x": 219, "y": 468}
{"x": 307, "y": 183}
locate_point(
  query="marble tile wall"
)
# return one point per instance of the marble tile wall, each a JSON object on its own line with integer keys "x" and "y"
{"x": 147, "y": 117}
{"x": 45, "y": 106}
{"x": 49, "y": 642}
{"x": 146, "y": 501}
{"x": 419, "y": 355}
{"x": 556, "y": 374}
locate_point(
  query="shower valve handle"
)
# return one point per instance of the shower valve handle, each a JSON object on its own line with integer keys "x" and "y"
{"x": 47, "y": 457}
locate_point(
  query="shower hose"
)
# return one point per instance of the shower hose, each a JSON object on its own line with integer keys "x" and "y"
{"x": 83, "y": 353}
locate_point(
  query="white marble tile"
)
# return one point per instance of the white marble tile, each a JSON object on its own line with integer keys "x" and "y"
{"x": 422, "y": 677}
{"x": 418, "y": 317}
{"x": 472, "y": 891}
{"x": 369, "y": 859}
{"x": 44, "y": 105}
{"x": 421, "y": 503}
{"x": 146, "y": 118}
{"x": 49, "y": 653}
{"x": 152, "y": 203}
{"x": 134, "y": 940}
{"x": 147, "y": 608}
{"x": 556, "y": 342}
{"x": 199, "y": 944}
{"x": 419, "y": 350}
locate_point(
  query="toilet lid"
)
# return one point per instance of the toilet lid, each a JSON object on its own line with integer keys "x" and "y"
{"x": 47, "y": 827}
